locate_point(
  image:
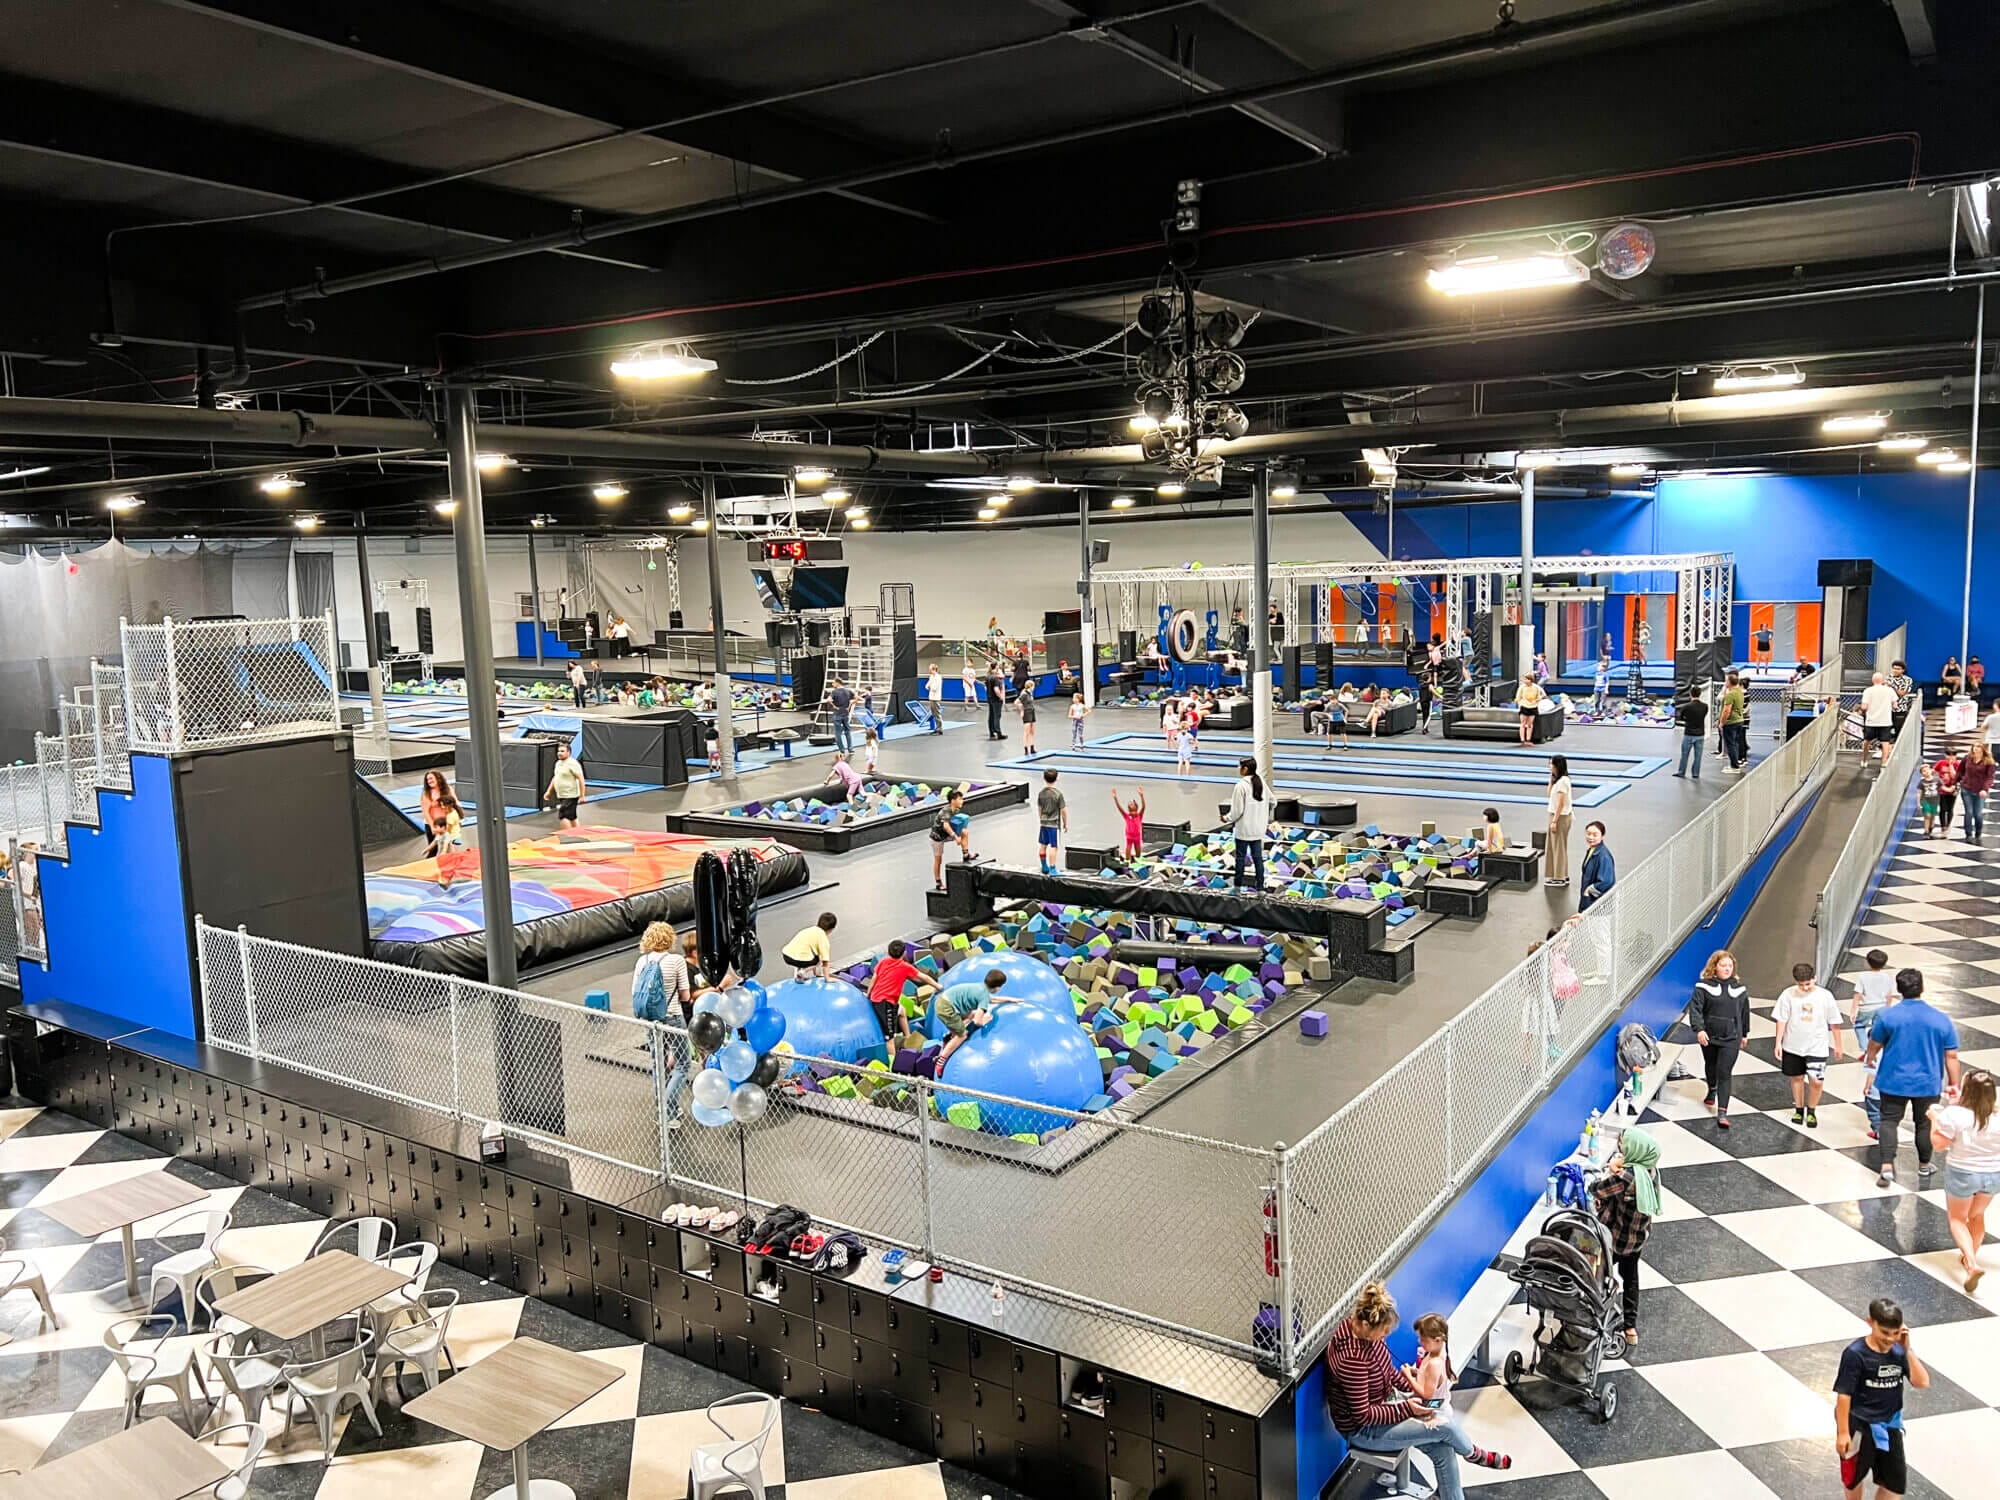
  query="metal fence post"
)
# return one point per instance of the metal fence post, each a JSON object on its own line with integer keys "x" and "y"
{"x": 97, "y": 719}
{"x": 924, "y": 1166}
{"x": 176, "y": 735}
{"x": 451, "y": 1020}
{"x": 48, "y": 811}
{"x": 1288, "y": 1353}
{"x": 662, "y": 1066}
{"x": 249, "y": 990}
{"x": 332, "y": 660}
{"x": 1450, "y": 1125}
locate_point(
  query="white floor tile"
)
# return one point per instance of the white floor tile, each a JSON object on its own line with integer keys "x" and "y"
{"x": 1681, "y": 1147}
{"x": 1956, "y": 1452}
{"x": 74, "y": 1181}
{"x": 40, "y": 1153}
{"x": 617, "y": 1402}
{"x": 1774, "y": 1310}
{"x": 661, "y": 1445}
{"x": 910, "y": 1482}
{"x": 1840, "y": 1125}
{"x": 1501, "y": 1423}
{"x": 436, "y": 1471}
{"x": 1820, "y": 1176}
{"x": 1966, "y": 1353}
{"x": 1798, "y": 1238}
{"x": 1740, "y": 1399}
{"x": 24, "y": 1439}
{"x": 1673, "y": 1207}
{"x": 1713, "y": 1475}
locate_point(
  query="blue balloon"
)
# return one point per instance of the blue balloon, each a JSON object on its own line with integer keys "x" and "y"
{"x": 765, "y": 1028}
{"x": 763, "y": 995}
{"x": 1026, "y": 1053}
{"x": 703, "y": 1115}
{"x": 738, "y": 1060}
{"x": 705, "y": 1001}
{"x": 827, "y": 1018}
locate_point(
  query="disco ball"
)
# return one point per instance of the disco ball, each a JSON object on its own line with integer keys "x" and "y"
{"x": 1626, "y": 251}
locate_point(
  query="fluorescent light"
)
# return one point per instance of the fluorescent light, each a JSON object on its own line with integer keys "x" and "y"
{"x": 1493, "y": 273}
{"x": 701, "y": 523}
{"x": 1121, "y": 502}
{"x": 1142, "y": 422}
{"x": 1938, "y": 456}
{"x": 1020, "y": 484}
{"x": 679, "y": 512}
{"x": 538, "y": 521}
{"x": 663, "y": 360}
{"x": 855, "y": 513}
{"x": 1903, "y": 442}
{"x": 446, "y": 507}
{"x": 492, "y": 463}
{"x": 1759, "y": 378}
{"x": 987, "y": 513}
{"x": 833, "y": 496}
{"x": 25, "y": 473}
{"x": 811, "y": 474}
{"x": 306, "y": 523}
{"x": 123, "y": 502}
{"x": 1863, "y": 421}
{"x": 1956, "y": 466}
{"x": 999, "y": 502}
{"x": 1170, "y": 489}
{"x": 1284, "y": 489}
{"x": 860, "y": 523}
{"x": 1627, "y": 471}
{"x": 1532, "y": 460}
{"x": 607, "y": 494}
{"x": 280, "y": 484}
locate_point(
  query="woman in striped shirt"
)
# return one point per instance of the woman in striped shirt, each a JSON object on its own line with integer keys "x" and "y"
{"x": 1373, "y": 1410}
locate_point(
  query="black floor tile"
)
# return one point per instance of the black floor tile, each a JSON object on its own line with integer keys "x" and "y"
{"x": 31, "y": 1229}
{"x": 594, "y": 1460}
{"x": 112, "y": 1146}
{"x": 817, "y": 1446}
{"x": 1806, "y": 1469}
{"x": 196, "y": 1175}
{"x": 399, "y": 1429}
{"x": 1647, "y": 1424}
{"x": 1903, "y": 1223}
{"x": 668, "y": 1383}
{"x": 565, "y": 1331}
{"x": 470, "y": 1288}
{"x": 1772, "y": 1091}
{"x": 19, "y": 1189}
{"x": 87, "y": 1427}
{"x": 1690, "y": 1250}
{"x": 51, "y": 1381}
{"x": 1673, "y": 1327}
{"x": 49, "y": 1122}
{"x": 1573, "y": 1486}
{"x": 1815, "y": 1365}
{"x": 1977, "y": 924}
{"x": 1726, "y": 1187}
{"x": 255, "y": 1210}
{"x": 1925, "y": 1299}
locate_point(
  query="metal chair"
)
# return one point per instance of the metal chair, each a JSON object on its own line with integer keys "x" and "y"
{"x": 715, "y": 1468}
{"x": 327, "y": 1384}
{"x": 235, "y": 1486}
{"x": 184, "y": 1268}
{"x": 142, "y": 1371}
{"x": 418, "y": 1258}
{"x": 373, "y": 1237}
{"x": 17, "y": 1275}
{"x": 225, "y": 1281}
{"x": 251, "y": 1365}
{"x": 421, "y": 1343}
{"x": 1395, "y": 1473}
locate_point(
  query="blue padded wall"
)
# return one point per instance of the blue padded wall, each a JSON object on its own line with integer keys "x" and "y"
{"x": 115, "y": 912}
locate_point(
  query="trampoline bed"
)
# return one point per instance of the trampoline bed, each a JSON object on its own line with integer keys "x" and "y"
{"x": 572, "y": 891}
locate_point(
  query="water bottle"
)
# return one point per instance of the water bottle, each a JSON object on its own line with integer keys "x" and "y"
{"x": 1549, "y": 1193}
{"x": 999, "y": 1302}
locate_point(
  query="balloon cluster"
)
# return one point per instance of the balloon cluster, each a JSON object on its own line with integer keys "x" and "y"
{"x": 735, "y": 1029}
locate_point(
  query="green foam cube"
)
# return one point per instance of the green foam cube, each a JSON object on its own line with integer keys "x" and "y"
{"x": 964, "y": 1114}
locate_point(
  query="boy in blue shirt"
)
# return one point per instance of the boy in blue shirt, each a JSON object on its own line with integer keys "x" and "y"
{"x": 1868, "y": 1403}
{"x": 1913, "y": 1048}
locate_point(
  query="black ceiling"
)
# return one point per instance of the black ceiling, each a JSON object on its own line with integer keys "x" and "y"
{"x": 275, "y": 191}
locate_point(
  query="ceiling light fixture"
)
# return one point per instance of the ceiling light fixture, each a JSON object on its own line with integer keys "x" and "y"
{"x": 1121, "y": 502}
{"x": 1628, "y": 471}
{"x": 446, "y": 507}
{"x": 999, "y": 502}
{"x": 607, "y": 494}
{"x": 306, "y": 523}
{"x": 679, "y": 512}
{"x": 1955, "y": 466}
{"x": 987, "y": 513}
{"x": 701, "y": 523}
{"x": 25, "y": 473}
{"x": 1860, "y": 421}
{"x": 860, "y": 523}
{"x": 1283, "y": 487}
{"x": 1528, "y": 459}
{"x": 1517, "y": 273}
{"x": 1020, "y": 484}
{"x": 1143, "y": 422}
{"x": 1938, "y": 456}
{"x": 280, "y": 484}
{"x": 123, "y": 502}
{"x": 855, "y": 513}
{"x": 1171, "y": 490}
{"x": 811, "y": 474}
{"x": 833, "y": 496}
{"x": 1903, "y": 442}
{"x": 493, "y": 463}
{"x": 664, "y": 359}
{"x": 1759, "y": 378}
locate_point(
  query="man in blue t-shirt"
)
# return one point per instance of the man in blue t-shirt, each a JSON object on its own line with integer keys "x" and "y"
{"x": 1868, "y": 1402}
{"x": 1913, "y": 1048}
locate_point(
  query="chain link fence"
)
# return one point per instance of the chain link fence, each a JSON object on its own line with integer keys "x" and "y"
{"x": 1875, "y": 826}
{"x": 228, "y": 682}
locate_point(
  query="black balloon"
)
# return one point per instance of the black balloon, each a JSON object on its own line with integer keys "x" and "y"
{"x": 766, "y": 1072}
{"x": 712, "y": 926}
{"x": 749, "y": 954}
{"x": 707, "y": 1032}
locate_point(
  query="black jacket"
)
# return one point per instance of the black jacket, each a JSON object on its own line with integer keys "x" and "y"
{"x": 1721, "y": 1008}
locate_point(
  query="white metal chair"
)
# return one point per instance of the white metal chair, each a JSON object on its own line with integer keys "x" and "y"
{"x": 235, "y": 1486}
{"x": 225, "y": 1281}
{"x": 373, "y": 1236}
{"x": 250, "y": 1365}
{"x": 326, "y": 1385}
{"x": 716, "y": 1468}
{"x": 143, "y": 1370}
{"x": 184, "y": 1268}
{"x": 17, "y": 1275}
{"x": 421, "y": 1343}
{"x": 418, "y": 1258}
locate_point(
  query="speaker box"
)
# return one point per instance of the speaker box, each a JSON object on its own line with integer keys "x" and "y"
{"x": 1289, "y": 679}
{"x": 808, "y": 680}
{"x": 1846, "y": 572}
{"x": 1128, "y": 645}
{"x": 1062, "y": 621}
{"x": 424, "y": 629}
{"x": 382, "y": 642}
{"x": 674, "y": 620}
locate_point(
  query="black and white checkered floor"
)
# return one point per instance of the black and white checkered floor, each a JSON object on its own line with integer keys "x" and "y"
{"x": 1772, "y": 1240}
{"x": 60, "y": 1391}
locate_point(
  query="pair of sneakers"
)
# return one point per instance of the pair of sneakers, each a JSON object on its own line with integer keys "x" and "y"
{"x": 1806, "y": 1117}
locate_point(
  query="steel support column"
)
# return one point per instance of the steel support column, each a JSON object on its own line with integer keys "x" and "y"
{"x": 535, "y": 592}
{"x": 1260, "y": 614}
{"x": 1528, "y": 559}
{"x": 371, "y": 644}
{"x": 725, "y": 695}
{"x": 1972, "y": 479}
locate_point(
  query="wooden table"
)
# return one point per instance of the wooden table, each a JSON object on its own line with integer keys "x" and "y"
{"x": 520, "y": 1389}
{"x": 153, "y": 1461}
{"x": 120, "y": 1205}
{"x": 304, "y": 1299}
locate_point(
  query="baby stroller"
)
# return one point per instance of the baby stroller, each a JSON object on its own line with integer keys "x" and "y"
{"x": 1572, "y": 1282}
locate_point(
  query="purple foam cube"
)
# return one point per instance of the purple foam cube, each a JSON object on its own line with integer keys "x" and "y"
{"x": 1274, "y": 988}
{"x": 1123, "y": 1088}
{"x": 1271, "y": 971}
{"x": 907, "y": 1059}
{"x": 1313, "y": 1022}
{"x": 1122, "y": 1071}
{"x": 1188, "y": 1051}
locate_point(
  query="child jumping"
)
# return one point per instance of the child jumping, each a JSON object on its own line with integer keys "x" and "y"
{"x": 1078, "y": 712}
{"x": 950, "y": 826}
{"x": 1134, "y": 814}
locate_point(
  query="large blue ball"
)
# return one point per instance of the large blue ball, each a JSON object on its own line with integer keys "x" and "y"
{"x": 827, "y": 1018}
{"x": 1026, "y": 1053}
{"x": 1029, "y": 980}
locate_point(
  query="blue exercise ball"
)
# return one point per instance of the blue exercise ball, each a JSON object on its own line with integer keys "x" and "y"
{"x": 1029, "y": 980}
{"x": 1027, "y": 1053}
{"x": 827, "y": 1018}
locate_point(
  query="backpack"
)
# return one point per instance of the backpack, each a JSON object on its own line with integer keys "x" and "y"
{"x": 1637, "y": 1051}
{"x": 649, "y": 994}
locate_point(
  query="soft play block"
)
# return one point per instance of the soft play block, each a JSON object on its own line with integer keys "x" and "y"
{"x": 964, "y": 1114}
{"x": 841, "y": 1087}
{"x": 1123, "y": 1088}
{"x": 1207, "y": 1021}
{"x": 1096, "y": 1102}
{"x": 1241, "y": 1016}
{"x": 597, "y": 999}
{"x": 1313, "y": 1022}
{"x": 1161, "y": 1061}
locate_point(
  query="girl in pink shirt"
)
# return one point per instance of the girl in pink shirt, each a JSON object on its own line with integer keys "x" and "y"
{"x": 1134, "y": 814}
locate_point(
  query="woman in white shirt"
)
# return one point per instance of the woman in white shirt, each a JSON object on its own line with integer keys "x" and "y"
{"x": 1561, "y": 800}
{"x": 1248, "y": 818}
{"x": 1969, "y": 1134}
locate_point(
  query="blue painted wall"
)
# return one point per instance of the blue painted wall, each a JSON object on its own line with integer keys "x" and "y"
{"x": 1438, "y": 1273}
{"x": 116, "y": 913}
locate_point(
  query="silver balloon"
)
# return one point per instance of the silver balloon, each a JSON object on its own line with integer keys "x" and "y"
{"x": 736, "y": 1006}
{"x": 711, "y": 1089}
{"x": 748, "y": 1102}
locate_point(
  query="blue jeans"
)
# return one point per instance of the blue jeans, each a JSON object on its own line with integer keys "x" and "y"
{"x": 1443, "y": 1443}
{"x": 1690, "y": 745}
{"x": 1871, "y": 1097}
{"x": 1974, "y": 804}
{"x": 1250, "y": 852}
{"x": 676, "y": 1081}
{"x": 843, "y": 733}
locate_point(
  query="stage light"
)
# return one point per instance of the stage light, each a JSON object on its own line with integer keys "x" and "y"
{"x": 306, "y": 523}
{"x": 1121, "y": 502}
{"x": 1938, "y": 456}
{"x": 1020, "y": 484}
{"x": 123, "y": 502}
{"x": 1142, "y": 422}
{"x": 492, "y": 463}
{"x": 855, "y": 513}
{"x": 1955, "y": 466}
{"x": 1903, "y": 442}
{"x": 1283, "y": 487}
{"x": 1759, "y": 378}
{"x": 833, "y": 496}
{"x": 1493, "y": 273}
{"x": 999, "y": 502}
{"x": 1866, "y": 421}
{"x": 1170, "y": 490}
{"x": 987, "y": 513}
{"x": 811, "y": 474}
{"x": 1380, "y": 464}
{"x": 860, "y": 523}
{"x": 280, "y": 484}
{"x": 1628, "y": 471}
{"x": 446, "y": 507}
{"x": 663, "y": 360}
{"x": 679, "y": 512}
{"x": 607, "y": 494}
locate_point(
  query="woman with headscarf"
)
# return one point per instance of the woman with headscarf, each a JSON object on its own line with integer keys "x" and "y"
{"x": 1626, "y": 1197}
